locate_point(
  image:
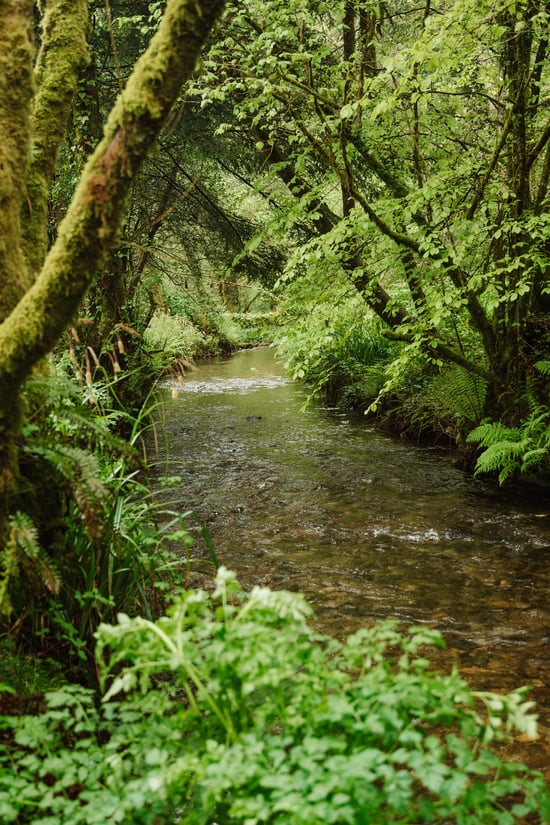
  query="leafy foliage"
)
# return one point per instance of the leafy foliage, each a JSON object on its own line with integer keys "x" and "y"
{"x": 438, "y": 404}
{"x": 511, "y": 451}
{"x": 338, "y": 351}
{"x": 24, "y": 557}
{"x": 232, "y": 709}
{"x": 89, "y": 539}
{"x": 191, "y": 212}
{"x": 396, "y": 141}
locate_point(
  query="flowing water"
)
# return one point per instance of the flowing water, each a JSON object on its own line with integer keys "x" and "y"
{"x": 367, "y": 527}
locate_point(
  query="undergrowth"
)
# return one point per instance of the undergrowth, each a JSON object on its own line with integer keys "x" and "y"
{"x": 232, "y": 709}
{"x": 510, "y": 452}
{"x": 339, "y": 353}
{"x": 87, "y": 536}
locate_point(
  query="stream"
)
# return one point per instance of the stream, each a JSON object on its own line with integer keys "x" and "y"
{"x": 367, "y": 527}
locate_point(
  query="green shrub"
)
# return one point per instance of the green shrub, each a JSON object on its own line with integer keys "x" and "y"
{"x": 439, "y": 405}
{"x": 169, "y": 337}
{"x": 339, "y": 351}
{"x": 255, "y": 329}
{"x": 232, "y": 709}
{"x": 205, "y": 310}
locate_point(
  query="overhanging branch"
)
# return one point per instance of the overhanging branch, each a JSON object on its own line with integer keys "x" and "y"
{"x": 90, "y": 226}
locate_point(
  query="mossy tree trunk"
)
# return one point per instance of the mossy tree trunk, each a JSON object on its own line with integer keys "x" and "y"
{"x": 41, "y": 290}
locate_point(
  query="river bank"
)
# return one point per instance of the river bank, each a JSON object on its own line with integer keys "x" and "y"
{"x": 316, "y": 500}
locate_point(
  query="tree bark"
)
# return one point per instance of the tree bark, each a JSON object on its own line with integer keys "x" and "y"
{"x": 16, "y": 93}
{"x": 62, "y": 57}
{"x": 31, "y": 326}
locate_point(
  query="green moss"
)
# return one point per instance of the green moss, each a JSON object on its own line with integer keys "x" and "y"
{"x": 63, "y": 55}
{"x": 87, "y": 233}
{"x": 16, "y": 90}
{"x": 10, "y": 425}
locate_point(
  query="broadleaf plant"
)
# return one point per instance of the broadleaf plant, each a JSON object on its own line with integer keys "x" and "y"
{"x": 233, "y": 709}
{"x": 405, "y": 149}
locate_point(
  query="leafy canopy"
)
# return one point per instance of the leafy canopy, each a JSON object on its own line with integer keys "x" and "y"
{"x": 406, "y": 147}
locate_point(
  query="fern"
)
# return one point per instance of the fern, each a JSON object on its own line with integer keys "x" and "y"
{"x": 81, "y": 473}
{"x": 513, "y": 450}
{"x": 81, "y": 502}
{"x": 533, "y": 458}
{"x": 505, "y": 456}
{"x": 489, "y": 434}
{"x": 24, "y": 553}
{"x": 9, "y": 564}
{"x": 459, "y": 392}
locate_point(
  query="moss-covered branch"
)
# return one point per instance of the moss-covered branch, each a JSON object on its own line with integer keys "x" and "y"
{"x": 92, "y": 220}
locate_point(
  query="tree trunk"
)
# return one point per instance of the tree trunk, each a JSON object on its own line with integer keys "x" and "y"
{"x": 16, "y": 92}
{"x": 87, "y": 233}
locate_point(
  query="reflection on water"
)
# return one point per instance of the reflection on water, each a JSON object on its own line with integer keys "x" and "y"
{"x": 367, "y": 527}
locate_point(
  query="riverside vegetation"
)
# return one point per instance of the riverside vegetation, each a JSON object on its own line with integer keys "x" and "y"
{"x": 215, "y": 707}
{"x": 369, "y": 183}
{"x": 232, "y": 709}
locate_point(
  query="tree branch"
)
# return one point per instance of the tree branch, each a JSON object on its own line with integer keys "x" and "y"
{"x": 90, "y": 226}
{"x": 438, "y": 347}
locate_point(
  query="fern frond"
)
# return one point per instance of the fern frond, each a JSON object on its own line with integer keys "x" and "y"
{"x": 534, "y": 458}
{"x": 489, "y": 434}
{"x": 537, "y": 423}
{"x": 505, "y": 456}
{"x": 543, "y": 367}
{"x": 81, "y": 471}
{"x": 9, "y": 571}
{"x": 24, "y": 553}
{"x": 513, "y": 450}
{"x": 460, "y": 392}
{"x": 64, "y": 415}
